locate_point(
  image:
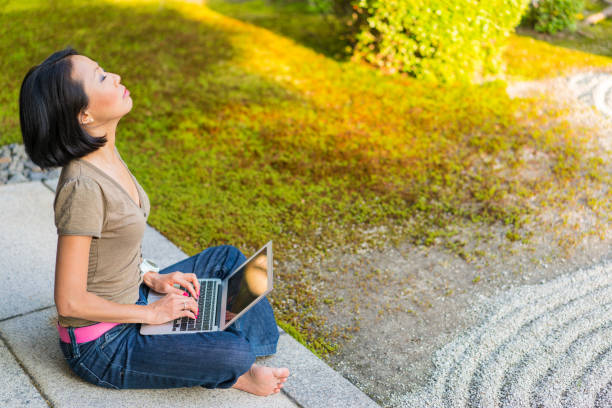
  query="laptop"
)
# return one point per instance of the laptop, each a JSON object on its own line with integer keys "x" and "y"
{"x": 222, "y": 302}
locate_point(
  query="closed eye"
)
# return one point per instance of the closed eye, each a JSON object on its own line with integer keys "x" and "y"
{"x": 103, "y": 76}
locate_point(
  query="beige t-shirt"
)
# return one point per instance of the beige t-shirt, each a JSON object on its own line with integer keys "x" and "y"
{"x": 88, "y": 201}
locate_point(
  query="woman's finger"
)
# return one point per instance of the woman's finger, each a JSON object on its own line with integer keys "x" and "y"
{"x": 196, "y": 283}
{"x": 188, "y": 304}
{"x": 192, "y": 308}
{"x": 193, "y": 279}
{"x": 187, "y": 285}
{"x": 188, "y": 313}
{"x": 195, "y": 307}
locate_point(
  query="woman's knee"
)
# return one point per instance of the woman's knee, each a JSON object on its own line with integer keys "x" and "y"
{"x": 232, "y": 259}
{"x": 233, "y": 251}
{"x": 217, "y": 261}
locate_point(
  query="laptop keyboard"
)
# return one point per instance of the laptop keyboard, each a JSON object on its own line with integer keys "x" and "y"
{"x": 207, "y": 303}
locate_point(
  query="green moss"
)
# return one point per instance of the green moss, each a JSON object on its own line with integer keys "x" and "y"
{"x": 513, "y": 236}
{"x": 289, "y": 329}
{"x": 293, "y": 332}
{"x": 531, "y": 55}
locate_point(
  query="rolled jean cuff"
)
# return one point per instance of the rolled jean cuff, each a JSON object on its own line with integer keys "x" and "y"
{"x": 264, "y": 349}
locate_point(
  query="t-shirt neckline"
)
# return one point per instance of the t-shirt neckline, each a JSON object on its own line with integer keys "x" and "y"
{"x": 117, "y": 183}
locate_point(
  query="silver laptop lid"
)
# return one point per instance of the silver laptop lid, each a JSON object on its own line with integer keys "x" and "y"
{"x": 248, "y": 284}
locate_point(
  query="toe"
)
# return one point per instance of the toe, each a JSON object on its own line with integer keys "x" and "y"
{"x": 281, "y": 372}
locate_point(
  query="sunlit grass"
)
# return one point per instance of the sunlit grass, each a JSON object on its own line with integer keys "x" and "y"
{"x": 240, "y": 135}
{"x": 529, "y": 58}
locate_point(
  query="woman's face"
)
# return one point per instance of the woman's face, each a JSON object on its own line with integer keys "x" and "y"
{"x": 107, "y": 97}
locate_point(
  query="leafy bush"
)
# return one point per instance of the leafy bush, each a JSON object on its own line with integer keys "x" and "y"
{"x": 551, "y": 16}
{"x": 339, "y": 8}
{"x": 436, "y": 40}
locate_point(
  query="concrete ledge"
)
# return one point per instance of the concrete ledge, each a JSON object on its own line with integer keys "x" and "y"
{"x": 312, "y": 383}
{"x": 28, "y": 244}
{"x": 17, "y": 391}
{"x": 33, "y": 338}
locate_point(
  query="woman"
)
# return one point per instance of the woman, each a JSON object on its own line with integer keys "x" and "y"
{"x": 69, "y": 111}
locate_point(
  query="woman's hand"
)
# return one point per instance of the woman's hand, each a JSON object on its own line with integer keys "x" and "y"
{"x": 170, "y": 307}
{"x": 164, "y": 282}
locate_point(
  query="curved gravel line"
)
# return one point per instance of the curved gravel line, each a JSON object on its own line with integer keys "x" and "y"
{"x": 605, "y": 395}
{"x": 546, "y": 345}
{"x": 593, "y": 88}
{"x": 544, "y": 353}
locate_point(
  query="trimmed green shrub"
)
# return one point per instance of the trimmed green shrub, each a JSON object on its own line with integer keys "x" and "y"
{"x": 436, "y": 40}
{"x": 340, "y": 8}
{"x": 551, "y": 16}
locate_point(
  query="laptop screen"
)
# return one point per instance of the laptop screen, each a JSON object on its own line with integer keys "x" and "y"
{"x": 246, "y": 285}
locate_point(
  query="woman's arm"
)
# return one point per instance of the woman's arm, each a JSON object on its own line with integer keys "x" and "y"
{"x": 73, "y": 300}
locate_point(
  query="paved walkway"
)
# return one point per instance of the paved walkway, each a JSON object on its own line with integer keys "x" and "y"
{"x": 32, "y": 366}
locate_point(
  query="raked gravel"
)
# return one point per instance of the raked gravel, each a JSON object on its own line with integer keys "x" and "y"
{"x": 545, "y": 345}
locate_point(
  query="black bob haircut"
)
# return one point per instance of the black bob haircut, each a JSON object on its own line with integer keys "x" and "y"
{"x": 49, "y": 104}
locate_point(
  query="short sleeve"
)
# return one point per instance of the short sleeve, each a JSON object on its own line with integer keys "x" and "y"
{"x": 79, "y": 208}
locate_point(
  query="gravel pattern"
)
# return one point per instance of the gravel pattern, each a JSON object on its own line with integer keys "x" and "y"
{"x": 16, "y": 166}
{"x": 594, "y": 89}
{"x": 546, "y": 345}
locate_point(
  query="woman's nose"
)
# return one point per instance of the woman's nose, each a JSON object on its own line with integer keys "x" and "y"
{"x": 118, "y": 77}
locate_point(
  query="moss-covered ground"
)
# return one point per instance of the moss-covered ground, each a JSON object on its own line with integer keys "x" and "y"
{"x": 249, "y": 124}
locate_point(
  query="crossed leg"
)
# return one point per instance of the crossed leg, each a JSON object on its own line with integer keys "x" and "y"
{"x": 218, "y": 261}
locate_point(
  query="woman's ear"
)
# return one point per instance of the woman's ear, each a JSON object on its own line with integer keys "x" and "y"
{"x": 85, "y": 119}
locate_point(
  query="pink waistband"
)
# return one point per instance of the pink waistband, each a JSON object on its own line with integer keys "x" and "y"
{"x": 85, "y": 334}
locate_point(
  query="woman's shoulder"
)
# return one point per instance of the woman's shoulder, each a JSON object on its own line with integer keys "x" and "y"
{"x": 75, "y": 173}
{"x": 79, "y": 205}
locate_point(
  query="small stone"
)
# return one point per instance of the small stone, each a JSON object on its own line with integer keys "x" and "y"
{"x": 16, "y": 178}
{"x": 16, "y": 166}
{"x": 55, "y": 173}
{"x": 18, "y": 149}
{"x": 31, "y": 165}
{"x": 38, "y": 176}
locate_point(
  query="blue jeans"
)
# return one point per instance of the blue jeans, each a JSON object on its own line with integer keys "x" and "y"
{"x": 123, "y": 358}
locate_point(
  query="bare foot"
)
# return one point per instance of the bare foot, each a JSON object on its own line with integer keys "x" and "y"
{"x": 262, "y": 380}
